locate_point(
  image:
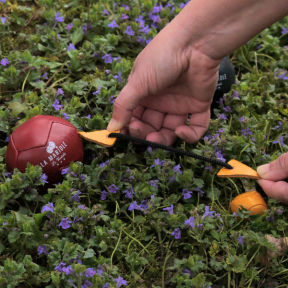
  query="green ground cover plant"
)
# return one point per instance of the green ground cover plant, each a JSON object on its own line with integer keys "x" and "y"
{"x": 133, "y": 216}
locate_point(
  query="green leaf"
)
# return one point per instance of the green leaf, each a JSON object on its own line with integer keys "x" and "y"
{"x": 89, "y": 253}
{"x": 215, "y": 234}
{"x": 77, "y": 35}
{"x": 17, "y": 108}
{"x": 215, "y": 194}
{"x": 199, "y": 280}
{"x": 103, "y": 246}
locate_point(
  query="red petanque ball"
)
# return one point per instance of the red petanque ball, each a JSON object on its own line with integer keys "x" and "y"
{"x": 48, "y": 141}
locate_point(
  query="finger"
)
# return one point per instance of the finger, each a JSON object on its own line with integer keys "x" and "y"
{"x": 164, "y": 136}
{"x": 173, "y": 121}
{"x": 138, "y": 112}
{"x": 277, "y": 190}
{"x": 153, "y": 118}
{"x": 276, "y": 170}
{"x": 139, "y": 129}
{"x": 198, "y": 125}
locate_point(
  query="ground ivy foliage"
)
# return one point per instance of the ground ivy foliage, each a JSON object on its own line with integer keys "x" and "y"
{"x": 129, "y": 215}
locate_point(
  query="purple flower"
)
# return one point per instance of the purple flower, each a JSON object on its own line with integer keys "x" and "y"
{"x": 69, "y": 26}
{"x": 104, "y": 194}
{"x": 113, "y": 24}
{"x": 66, "y": 117}
{"x": 7, "y": 174}
{"x": 208, "y": 213}
{"x": 68, "y": 270}
{"x": 86, "y": 284}
{"x": 112, "y": 99}
{"x": 71, "y": 47}
{"x": 176, "y": 169}
{"x": 158, "y": 162}
{"x": 169, "y": 209}
{"x": 65, "y": 223}
{"x": 176, "y": 233}
{"x": 145, "y": 30}
{"x": 3, "y": 20}
{"x": 133, "y": 206}
{"x": 186, "y": 271}
{"x": 143, "y": 205}
{"x": 82, "y": 207}
{"x": 155, "y": 18}
{"x": 124, "y": 17}
{"x": 88, "y": 117}
{"x": 106, "y": 285}
{"x": 44, "y": 178}
{"x": 284, "y": 31}
{"x": 65, "y": 171}
{"x": 104, "y": 164}
{"x": 56, "y": 105}
{"x": 280, "y": 141}
{"x": 4, "y": 61}
{"x": 107, "y": 58}
{"x": 153, "y": 184}
{"x": 241, "y": 240}
{"x": 190, "y": 222}
{"x": 90, "y": 272}
{"x": 60, "y": 92}
{"x": 157, "y": 9}
{"x": 227, "y": 109}
{"x": 129, "y": 31}
{"x": 120, "y": 281}
{"x": 113, "y": 188}
{"x": 186, "y": 194}
{"x": 148, "y": 41}
{"x": 141, "y": 40}
{"x": 7, "y": 139}
{"x": 242, "y": 119}
{"x": 118, "y": 77}
{"x": 105, "y": 12}
{"x": 2, "y": 1}
{"x": 172, "y": 179}
{"x": 128, "y": 193}
{"x": 98, "y": 90}
{"x": 45, "y": 76}
{"x": 219, "y": 156}
{"x": 5, "y": 223}
{"x": 246, "y": 132}
{"x": 200, "y": 226}
{"x": 222, "y": 116}
{"x": 42, "y": 249}
{"x": 48, "y": 207}
{"x": 279, "y": 126}
{"x": 235, "y": 95}
{"x": 58, "y": 17}
{"x": 60, "y": 267}
{"x": 82, "y": 177}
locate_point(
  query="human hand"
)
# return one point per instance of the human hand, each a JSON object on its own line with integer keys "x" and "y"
{"x": 169, "y": 79}
{"x": 272, "y": 174}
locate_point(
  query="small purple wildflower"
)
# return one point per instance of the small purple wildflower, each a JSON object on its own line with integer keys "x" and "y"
{"x": 145, "y": 30}
{"x": 105, "y": 12}
{"x": 176, "y": 169}
{"x": 208, "y": 213}
{"x": 222, "y": 116}
{"x": 107, "y": 58}
{"x": 98, "y": 90}
{"x": 82, "y": 177}
{"x": 118, "y": 77}
{"x": 7, "y": 139}
{"x": 68, "y": 270}
{"x": 58, "y": 17}
{"x": 66, "y": 117}
{"x": 143, "y": 205}
{"x": 124, "y": 17}
{"x": 104, "y": 195}
{"x": 57, "y": 105}
{"x": 86, "y": 284}
{"x": 133, "y": 206}
{"x": 45, "y": 76}
{"x": 42, "y": 249}
{"x": 112, "y": 99}
{"x": 3, "y": 20}
{"x": 104, "y": 164}
{"x": 113, "y": 188}
{"x": 186, "y": 194}
{"x": 128, "y": 193}
{"x": 71, "y": 47}
{"x": 284, "y": 31}
{"x": 60, "y": 92}
{"x": 44, "y": 178}
{"x": 186, "y": 271}
{"x": 120, "y": 281}
{"x": 90, "y": 272}
{"x": 129, "y": 31}
{"x": 242, "y": 119}
{"x": 241, "y": 240}
{"x": 113, "y": 24}
{"x": 158, "y": 162}
{"x": 246, "y": 132}
{"x": 278, "y": 126}
{"x": 190, "y": 222}
{"x": 280, "y": 141}
{"x": 227, "y": 109}
{"x": 60, "y": 267}
{"x": 65, "y": 223}
{"x": 169, "y": 209}
{"x": 153, "y": 183}
{"x": 69, "y": 26}
{"x": 82, "y": 207}
{"x": 235, "y": 95}
{"x": 4, "y": 61}
{"x": 65, "y": 171}
{"x": 176, "y": 233}
{"x": 48, "y": 207}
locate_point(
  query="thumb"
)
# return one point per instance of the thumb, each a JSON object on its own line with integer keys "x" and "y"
{"x": 128, "y": 100}
{"x": 276, "y": 170}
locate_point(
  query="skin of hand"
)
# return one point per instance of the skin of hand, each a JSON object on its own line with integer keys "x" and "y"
{"x": 272, "y": 174}
{"x": 166, "y": 83}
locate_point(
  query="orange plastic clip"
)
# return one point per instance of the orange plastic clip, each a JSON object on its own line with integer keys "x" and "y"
{"x": 239, "y": 170}
{"x": 99, "y": 137}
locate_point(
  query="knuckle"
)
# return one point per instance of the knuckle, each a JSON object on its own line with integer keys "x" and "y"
{"x": 282, "y": 162}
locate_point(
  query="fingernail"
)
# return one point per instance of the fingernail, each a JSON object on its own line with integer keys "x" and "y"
{"x": 179, "y": 134}
{"x": 263, "y": 170}
{"x": 134, "y": 131}
{"x": 113, "y": 125}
